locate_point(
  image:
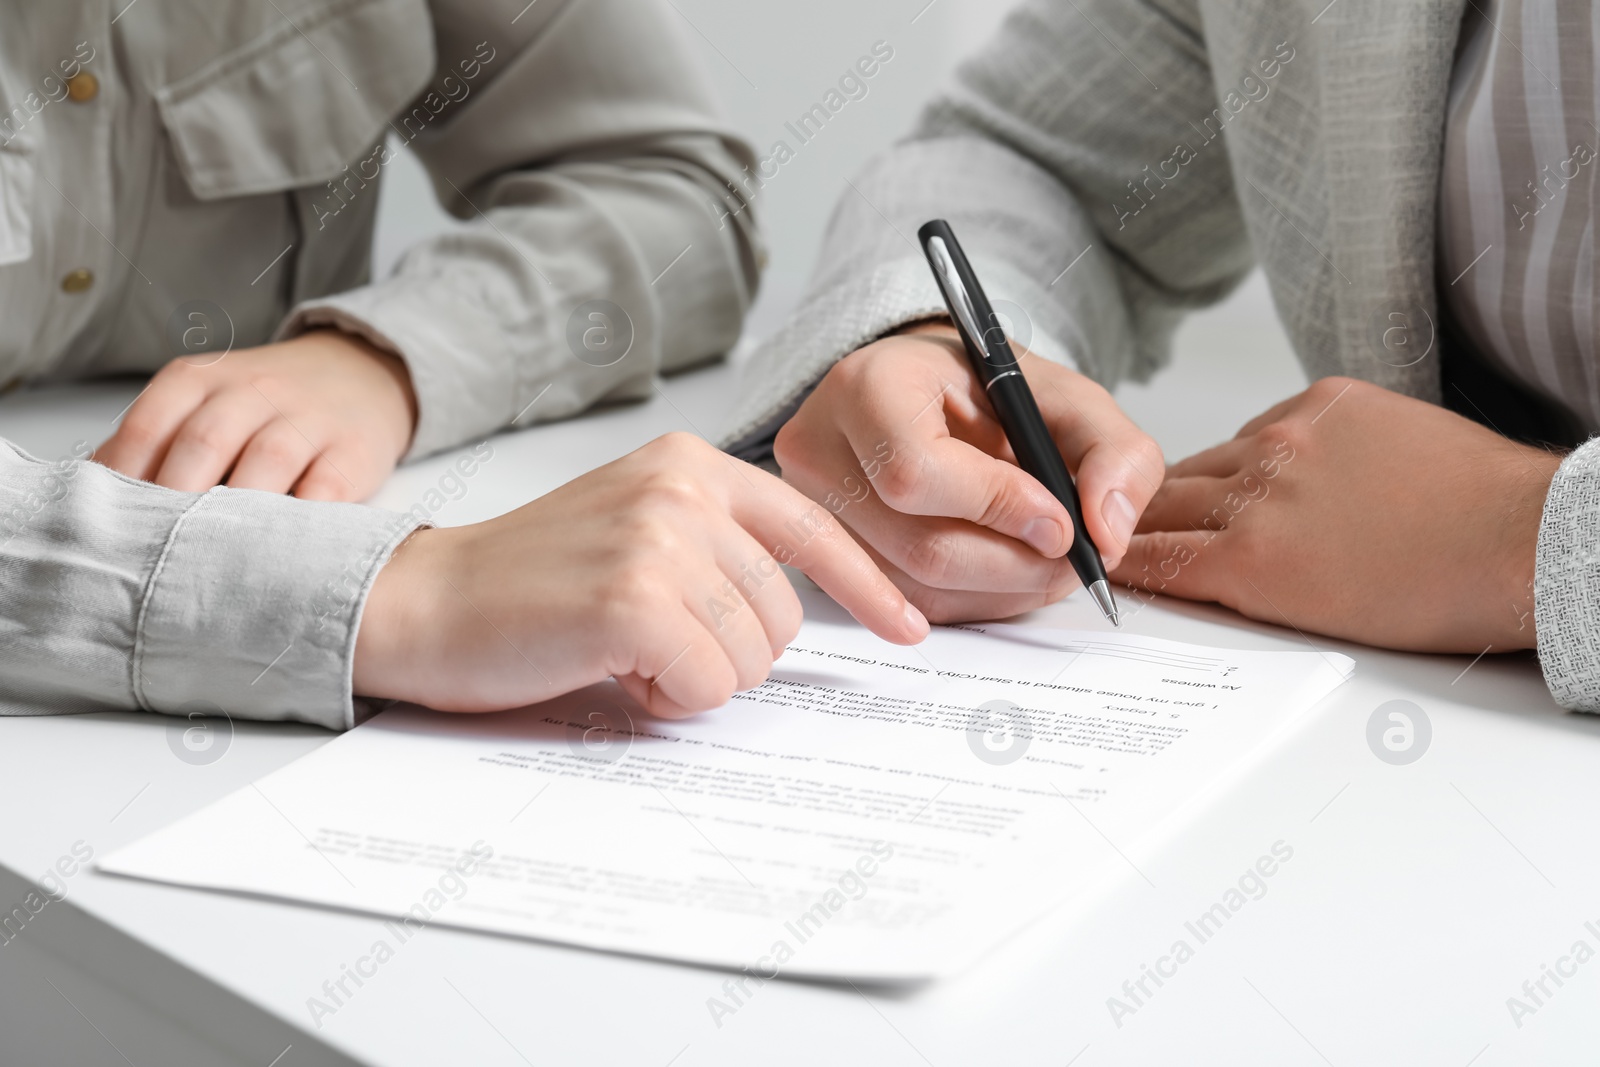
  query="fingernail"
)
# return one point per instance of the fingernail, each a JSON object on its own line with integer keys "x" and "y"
{"x": 1119, "y": 515}
{"x": 916, "y": 622}
{"x": 1045, "y": 535}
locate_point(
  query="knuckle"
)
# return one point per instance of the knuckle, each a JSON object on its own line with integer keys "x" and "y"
{"x": 788, "y": 629}
{"x": 751, "y": 674}
{"x": 1282, "y": 434}
{"x": 279, "y": 448}
{"x": 669, "y": 489}
{"x": 1326, "y": 388}
{"x": 788, "y": 617}
{"x": 1324, "y": 391}
{"x": 268, "y": 382}
{"x": 941, "y": 607}
{"x": 789, "y": 446}
{"x": 900, "y": 484}
{"x": 809, "y": 530}
{"x": 138, "y": 431}
{"x": 679, "y": 446}
{"x": 209, "y": 435}
{"x": 1146, "y": 455}
{"x": 168, "y": 372}
{"x": 720, "y": 691}
{"x": 650, "y": 536}
{"x": 1006, "y": 500}
{"x": 823, "y": 526}
{"x": 933, "y": 559}
{"x": 633, "y": 596}
{"x": 322, "y": 487}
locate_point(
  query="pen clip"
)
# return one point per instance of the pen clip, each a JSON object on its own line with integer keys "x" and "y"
{"x": 961, "y": 303}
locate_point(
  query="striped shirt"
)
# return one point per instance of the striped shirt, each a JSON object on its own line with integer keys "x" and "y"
{"x": 1518, "y": 195}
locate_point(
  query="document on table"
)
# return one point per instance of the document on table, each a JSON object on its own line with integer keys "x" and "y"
{"x": 871, "y": 812}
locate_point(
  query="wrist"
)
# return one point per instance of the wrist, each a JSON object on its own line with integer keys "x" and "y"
{"x": 944, "y": 330}
{"x": 393, "y": 368}
{"x": 940, "y": 326}
{"x": 1530, "y": 480}
{"x": 388, "y": 650}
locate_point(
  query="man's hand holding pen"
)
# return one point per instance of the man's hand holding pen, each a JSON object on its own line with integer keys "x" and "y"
{"x": 953, "y": 520}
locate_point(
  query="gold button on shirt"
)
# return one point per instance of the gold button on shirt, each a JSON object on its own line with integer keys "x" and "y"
{"x": 77, "y": 281}
{"x": 83, "y": 87}
{"x": 229, "y": 166}
{"x": 152, "y": 164}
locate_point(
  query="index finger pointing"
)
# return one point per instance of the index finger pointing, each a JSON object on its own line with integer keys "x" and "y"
{"x": 803, "y": 534}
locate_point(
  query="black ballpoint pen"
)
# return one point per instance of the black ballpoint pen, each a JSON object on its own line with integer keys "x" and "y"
{"x": 996, "y": 366}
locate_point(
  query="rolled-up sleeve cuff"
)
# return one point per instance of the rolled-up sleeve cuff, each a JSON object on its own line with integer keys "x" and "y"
{"x": 1566, "y": 584}
{"x": 253, "y": 604}
{"x": 858, "y": 310}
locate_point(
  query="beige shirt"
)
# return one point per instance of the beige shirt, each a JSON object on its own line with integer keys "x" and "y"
{"x": 227, "y": 159}
{"x": 183, "y": 177}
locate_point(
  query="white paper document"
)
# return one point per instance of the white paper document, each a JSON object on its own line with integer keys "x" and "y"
{"x": 870, "y": 812}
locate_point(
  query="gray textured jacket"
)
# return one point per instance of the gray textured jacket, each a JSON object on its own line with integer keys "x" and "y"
{"x": 1172, "y": 145}
{"x": 162, "y": 160}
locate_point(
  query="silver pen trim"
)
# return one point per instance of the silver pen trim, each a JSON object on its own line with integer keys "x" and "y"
{"x": 1101, "y": 592}
{"x": 1003, "y": 374}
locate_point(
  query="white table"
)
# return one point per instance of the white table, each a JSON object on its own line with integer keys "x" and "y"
{"x": 1419, "y": 897}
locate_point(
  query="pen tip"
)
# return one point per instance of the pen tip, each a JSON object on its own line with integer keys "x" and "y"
{"x": 1101, "y": 592}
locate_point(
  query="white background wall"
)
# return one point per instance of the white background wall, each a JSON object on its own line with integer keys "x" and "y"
{"x": 769, "y": 62}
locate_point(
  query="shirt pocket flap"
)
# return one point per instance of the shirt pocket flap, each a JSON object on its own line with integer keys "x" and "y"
{"x": 298, "y": 103}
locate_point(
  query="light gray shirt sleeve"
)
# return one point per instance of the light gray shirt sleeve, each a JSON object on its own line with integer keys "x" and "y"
{"x": 121, "y": 595}
{"x": 1029, "y": 156}
{"x": 610, "y": 237}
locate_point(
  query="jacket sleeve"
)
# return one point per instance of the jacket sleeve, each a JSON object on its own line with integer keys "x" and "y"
{"x": 122, "y": 595}
{"x": 1054, "y": 156}
{"x": 1566, "y": 584}
{"x": 608, "y": 235}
